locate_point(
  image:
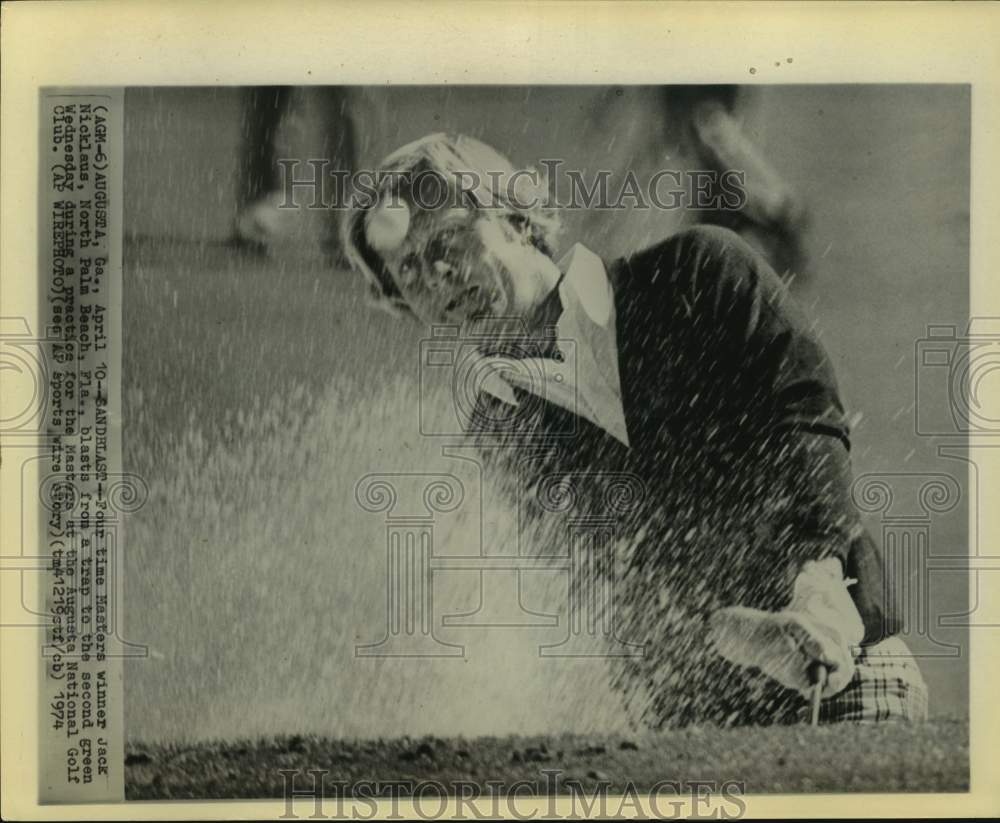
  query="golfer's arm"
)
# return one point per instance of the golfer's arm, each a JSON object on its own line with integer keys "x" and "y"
{"x": 822, "y": 521}
{"x": 782, "y": 377}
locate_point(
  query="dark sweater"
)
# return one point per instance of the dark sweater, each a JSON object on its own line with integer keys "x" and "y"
{"x": 739, "y": 444}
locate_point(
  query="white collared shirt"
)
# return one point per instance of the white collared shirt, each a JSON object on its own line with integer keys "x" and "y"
{"x": 587, "y": 382}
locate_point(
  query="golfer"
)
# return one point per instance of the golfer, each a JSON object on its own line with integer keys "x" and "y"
{"x": 688, "y": 367}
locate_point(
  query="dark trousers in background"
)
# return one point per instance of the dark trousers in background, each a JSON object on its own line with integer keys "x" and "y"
{"x": 707, "y": 122}
{"x": 264, "y": 110}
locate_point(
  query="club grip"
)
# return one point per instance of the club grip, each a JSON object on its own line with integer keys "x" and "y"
{"x": 817, "y": 673}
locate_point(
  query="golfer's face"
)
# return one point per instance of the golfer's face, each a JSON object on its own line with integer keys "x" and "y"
{"x": 456, "y": 265}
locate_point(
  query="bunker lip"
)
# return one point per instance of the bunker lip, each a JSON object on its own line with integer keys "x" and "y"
{"x": 930, "y": 757}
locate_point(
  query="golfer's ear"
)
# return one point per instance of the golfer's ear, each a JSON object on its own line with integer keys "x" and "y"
{"x": 529, "y": 230}
{"x": 520, "y": 222}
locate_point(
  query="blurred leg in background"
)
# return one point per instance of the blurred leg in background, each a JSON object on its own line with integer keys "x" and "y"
{"x": 257, "y": 218}
{"x": 710, "y": 125}
{"x": 265, "y": 110}
{"x": 340, "y": 147}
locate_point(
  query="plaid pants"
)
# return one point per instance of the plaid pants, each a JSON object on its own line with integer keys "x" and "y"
{"x": 887, "y": 686}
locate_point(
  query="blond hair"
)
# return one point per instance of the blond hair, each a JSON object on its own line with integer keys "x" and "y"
{"x": 496, "y": 185}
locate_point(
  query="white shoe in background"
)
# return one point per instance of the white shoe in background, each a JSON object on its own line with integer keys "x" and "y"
{"x": 261, "y": 222}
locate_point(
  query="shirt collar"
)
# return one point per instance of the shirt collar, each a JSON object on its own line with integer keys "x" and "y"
{"x": 585, "y": 286}
{"x": 586, "y": 380}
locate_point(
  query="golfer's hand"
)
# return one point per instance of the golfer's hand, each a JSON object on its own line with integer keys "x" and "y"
{"x": 784, "y": 646}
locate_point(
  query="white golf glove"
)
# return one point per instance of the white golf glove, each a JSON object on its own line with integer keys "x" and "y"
{"x": 820, "y": 625}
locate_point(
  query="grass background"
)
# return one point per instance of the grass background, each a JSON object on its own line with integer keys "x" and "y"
{"x": 259, "y": 391}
